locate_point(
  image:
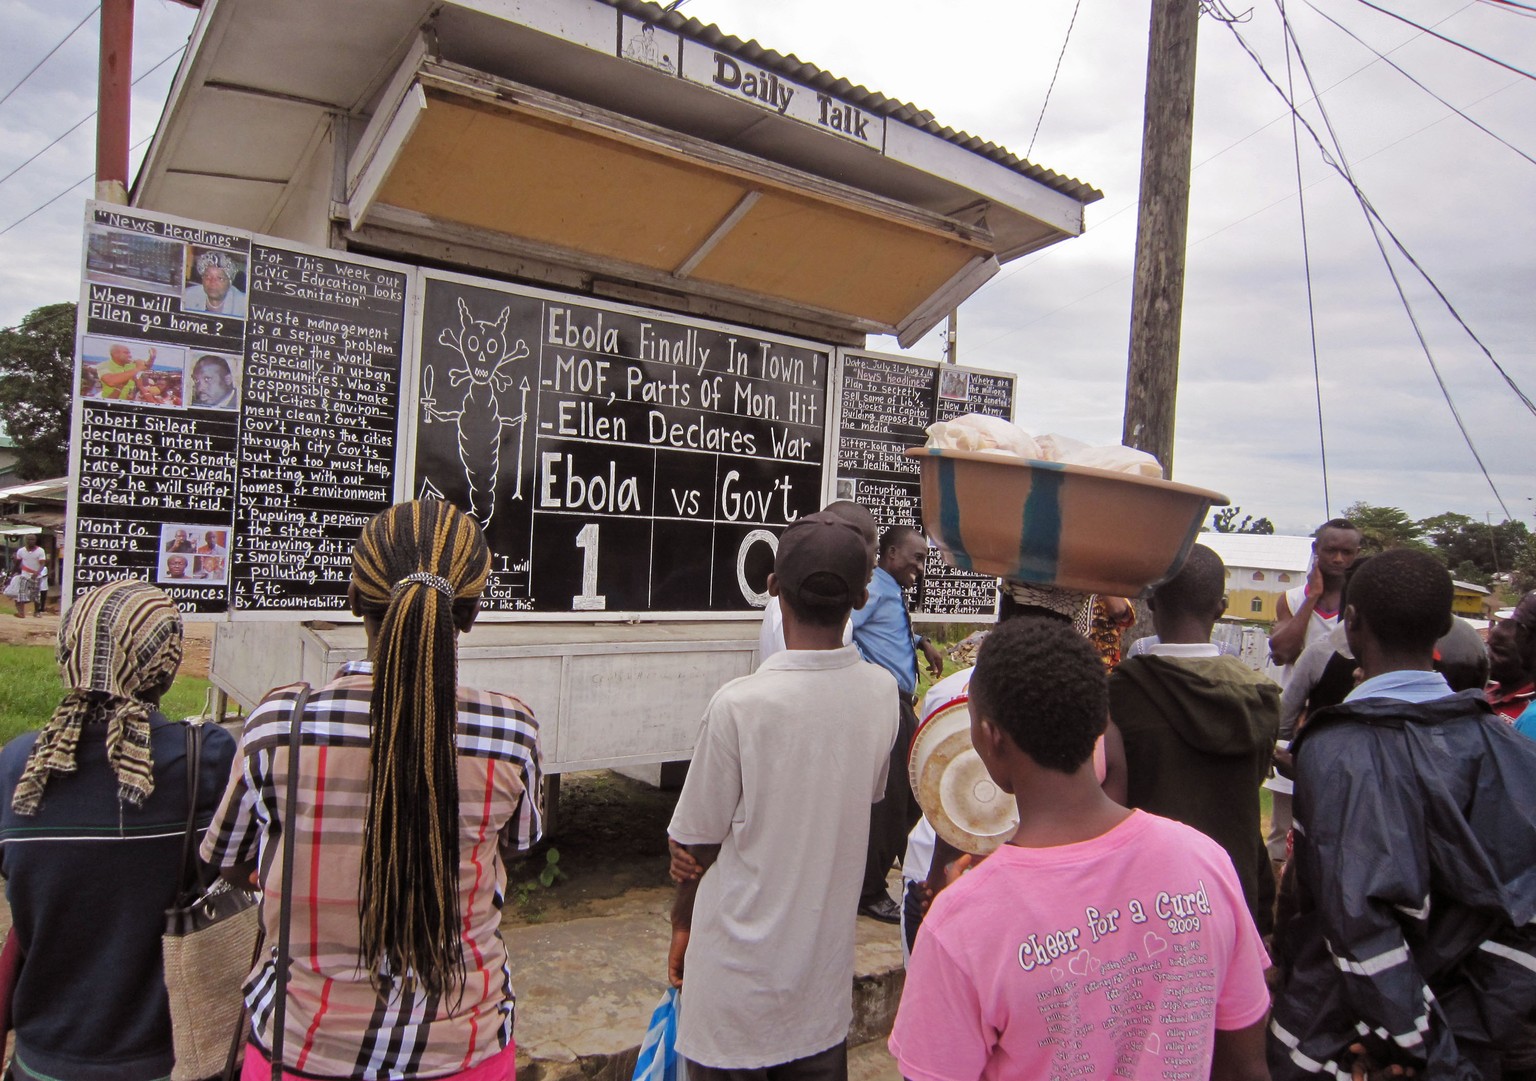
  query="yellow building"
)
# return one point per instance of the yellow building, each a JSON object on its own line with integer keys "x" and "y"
{"x": 1260, "y": 569}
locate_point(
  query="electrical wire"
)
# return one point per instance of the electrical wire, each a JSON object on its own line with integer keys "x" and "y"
{"x": 66, "y": 191}
{"x": 83, "y": 119}
{"x": 1524, "y": 10}
{"x": 1131, "y": 204}
{"x": 1059, "y": 56}
{"x": 51, "y": 51}
{"x": 31, "y": 323}
{"x": 1448, "y": 41}
{"x": 1306, "y": 262}
{"x": 1421, "y": 86}
{"x": 1340, "y": 165}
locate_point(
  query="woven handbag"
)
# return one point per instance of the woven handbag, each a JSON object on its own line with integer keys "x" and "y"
{"x": 210, "y": 937}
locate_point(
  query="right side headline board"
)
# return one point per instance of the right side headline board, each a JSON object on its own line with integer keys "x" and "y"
{"x": 886, "y": 404}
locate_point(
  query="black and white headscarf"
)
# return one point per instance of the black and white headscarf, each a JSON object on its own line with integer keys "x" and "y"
{"x": 119, "y": 648}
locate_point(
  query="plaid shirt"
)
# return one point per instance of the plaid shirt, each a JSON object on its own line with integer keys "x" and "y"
{"x": 337, "y": 1024}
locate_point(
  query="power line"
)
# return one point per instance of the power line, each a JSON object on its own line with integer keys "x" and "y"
{"x": 30, "y": 324}
{"x": 1041, "y": 118}
{"x": 1306, "y": 262}
{"x": 1420, "y": 85}
{"x": 82, "y": 120}
{"x": 51, "y": 51}
{"x": 1340, "y": 165}
{"x": 1448, "y": 41}
{"x": 66, "y": 191}
{"x": 1048, "y": 253}
{"x": 1286, "y": 198}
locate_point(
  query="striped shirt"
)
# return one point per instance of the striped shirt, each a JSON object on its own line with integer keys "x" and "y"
{"x": 338, "y": 1025}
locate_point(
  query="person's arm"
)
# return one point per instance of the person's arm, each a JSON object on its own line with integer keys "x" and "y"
{"x": 1289, "y": 637}
{"x": 1238, "y": 1055}
{"x": 702, "y": 856}
{"x": 932, "y": 655}
{"x": 1356, "y": 933}
{"x": 1116, "y": 777}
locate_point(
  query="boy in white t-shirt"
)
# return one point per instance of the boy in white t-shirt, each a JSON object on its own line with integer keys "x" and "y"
{"x": 1098, "y": 942}
{"x": 776, "y": 811}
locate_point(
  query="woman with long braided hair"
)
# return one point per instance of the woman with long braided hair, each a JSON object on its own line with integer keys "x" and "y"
{"x": 93, "y": 816}
{"x": 410, "y": 790}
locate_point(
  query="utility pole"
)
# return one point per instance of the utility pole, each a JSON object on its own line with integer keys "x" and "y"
{"x": 952, "y": 338}
{"x": 1157, "y": 298}
{"x": 113, "y": 90}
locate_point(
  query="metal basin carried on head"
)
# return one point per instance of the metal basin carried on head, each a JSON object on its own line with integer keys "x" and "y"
{"x": 1051, "y": 524}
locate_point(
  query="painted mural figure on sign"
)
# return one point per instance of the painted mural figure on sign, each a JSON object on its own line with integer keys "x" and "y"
{"x": 487, "y": 369}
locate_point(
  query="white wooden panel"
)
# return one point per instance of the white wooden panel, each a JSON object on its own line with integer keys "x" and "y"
{"x": 627, "y": 705}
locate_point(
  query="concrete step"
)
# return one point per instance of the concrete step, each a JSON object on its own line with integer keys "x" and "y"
{"x": 586, "y": 988}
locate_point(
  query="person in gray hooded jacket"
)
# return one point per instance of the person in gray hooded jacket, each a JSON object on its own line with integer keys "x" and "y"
{"x": 1199, "y": 727}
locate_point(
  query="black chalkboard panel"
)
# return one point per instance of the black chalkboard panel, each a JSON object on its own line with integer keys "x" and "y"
{"x": 157, "y": 392}
{"x": 617, "y": 459}
{"x": 887, "y": 404}
{"x": 238, "y": 408}
{"x": 318, "y": 424}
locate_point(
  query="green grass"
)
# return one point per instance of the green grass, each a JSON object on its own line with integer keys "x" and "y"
{"x": 30, "y": 690}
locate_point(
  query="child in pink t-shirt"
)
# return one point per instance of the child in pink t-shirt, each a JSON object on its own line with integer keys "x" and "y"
{"x": 1098, "y": 942}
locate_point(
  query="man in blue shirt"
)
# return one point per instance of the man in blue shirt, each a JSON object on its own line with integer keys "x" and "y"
{"x": 882, "y": 631}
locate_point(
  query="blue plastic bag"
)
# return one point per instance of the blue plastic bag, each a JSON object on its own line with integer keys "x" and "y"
{"x": 659, "y": 1060}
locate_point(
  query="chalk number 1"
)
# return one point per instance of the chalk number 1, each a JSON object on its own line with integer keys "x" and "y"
{"x": 589, "y": 599}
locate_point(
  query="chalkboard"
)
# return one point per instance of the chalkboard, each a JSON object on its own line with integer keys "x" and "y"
{"x": 886, "y": 405}
{"x": 156, "y": 390}
{"x": 236, "y": 413}
{"x": 317, "y": 428}
{"x": 618, "y": 460}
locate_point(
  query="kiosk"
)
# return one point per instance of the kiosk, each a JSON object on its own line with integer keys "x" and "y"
{"x": 599, "y": 273}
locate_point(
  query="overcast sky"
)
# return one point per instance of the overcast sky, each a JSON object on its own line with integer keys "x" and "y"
{"x": 1462, "y": 203}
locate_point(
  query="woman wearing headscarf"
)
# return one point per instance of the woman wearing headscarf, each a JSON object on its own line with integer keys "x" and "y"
{"x": 93, "y": 810}
{"x": 410, "y": 789}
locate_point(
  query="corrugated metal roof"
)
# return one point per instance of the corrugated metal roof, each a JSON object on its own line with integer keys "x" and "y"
{"x": 1273, "y": 551}
{"x": 876, "y": 102}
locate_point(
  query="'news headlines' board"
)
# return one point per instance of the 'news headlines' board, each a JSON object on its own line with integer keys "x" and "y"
{"x": 237, "y": 408}
{"x": 245, "y": 405}
{"x": 887, "y": 403}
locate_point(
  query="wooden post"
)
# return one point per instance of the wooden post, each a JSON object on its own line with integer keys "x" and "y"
{"x": 113, "y": 91}
{"x": 1157, "y": 299}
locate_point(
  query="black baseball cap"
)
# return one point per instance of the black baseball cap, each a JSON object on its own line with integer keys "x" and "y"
{"x": 822, "y": 561}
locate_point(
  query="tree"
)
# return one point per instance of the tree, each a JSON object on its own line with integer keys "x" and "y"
{"x": 37, "y": 367}
{"x": 1225, "y": 521}
{"x": 1384, "y": 527}
{"x": 1492, "y": 549}
{"x": 1524, "y": 576}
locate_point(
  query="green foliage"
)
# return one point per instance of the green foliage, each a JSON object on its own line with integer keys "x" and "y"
{"x": 1225, "y": 521}
{"x": 548, "y": 875}
{"x": 1491, "y": 549}
{"x": 1523, "y": 575}
{"x": 31, "y": 690}
{"x": 37, "y": 366}
{"x": 1385, "y": 527}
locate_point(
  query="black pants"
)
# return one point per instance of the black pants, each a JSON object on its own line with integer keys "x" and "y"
{"x": 828, "y": 1065}
{"x": 893, "y": 817}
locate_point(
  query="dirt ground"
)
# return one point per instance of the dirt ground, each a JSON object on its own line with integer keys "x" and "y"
{"x": 43, "y": 631}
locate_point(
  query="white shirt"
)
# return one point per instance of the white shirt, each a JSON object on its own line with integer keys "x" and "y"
{"x": 787, "y": 764}
{"x": 32, "y": 559}
{"x": 770, "y": 636}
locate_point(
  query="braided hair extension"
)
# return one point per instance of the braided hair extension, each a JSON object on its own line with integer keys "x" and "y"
{"x": 413, "y": 563}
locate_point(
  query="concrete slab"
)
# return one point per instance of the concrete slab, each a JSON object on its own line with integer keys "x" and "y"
{"x": 586, "y": 989}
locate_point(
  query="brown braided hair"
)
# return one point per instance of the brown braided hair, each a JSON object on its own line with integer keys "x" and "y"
{"x": 415, "y": 568}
